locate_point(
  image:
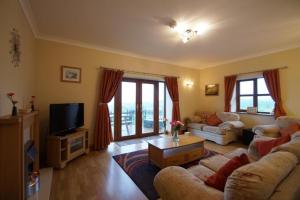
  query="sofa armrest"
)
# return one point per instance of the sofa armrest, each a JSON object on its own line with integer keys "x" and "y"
{"x": 267, "y": 130}
{"x": 173, "y": 183}
{"x": 229, "y": 125}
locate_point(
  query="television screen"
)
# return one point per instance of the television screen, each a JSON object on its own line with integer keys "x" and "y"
{"x": 66, "y": 117}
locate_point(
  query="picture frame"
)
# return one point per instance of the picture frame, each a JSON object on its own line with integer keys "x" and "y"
{"x": 252, "y": 110}
{"x": 212, "y": 90}
{"x": 70, "y": 74}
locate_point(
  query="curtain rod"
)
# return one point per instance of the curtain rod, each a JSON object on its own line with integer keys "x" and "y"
{"x": 139, "y": 73}
{"x": 243, "y": 73}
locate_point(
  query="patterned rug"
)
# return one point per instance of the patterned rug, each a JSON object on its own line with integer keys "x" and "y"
{"x": 137, "y": 167}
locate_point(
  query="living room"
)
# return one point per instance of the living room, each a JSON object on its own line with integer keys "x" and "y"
{"x": 42, "y": 40}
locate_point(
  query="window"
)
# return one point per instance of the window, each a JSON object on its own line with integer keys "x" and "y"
{"x": 253, "y": 93}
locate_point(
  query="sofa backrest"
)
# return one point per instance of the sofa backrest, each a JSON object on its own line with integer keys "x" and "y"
{"x": 285, "y": 121}
{"x": 228, "y": 116}
{"x": 258, "y": 180}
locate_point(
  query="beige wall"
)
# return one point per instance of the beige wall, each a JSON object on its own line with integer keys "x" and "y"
{"x": 290, "y": 82}
{"x": 51, "y": 55}
{"x": 19, "y": 80}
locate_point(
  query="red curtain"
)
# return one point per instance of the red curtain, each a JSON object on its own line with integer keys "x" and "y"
{"x": 172, "y": 86}
{"x": 273, "y": 84}
{"x": 229, "y": 83}
{"x": 110, "y": 82}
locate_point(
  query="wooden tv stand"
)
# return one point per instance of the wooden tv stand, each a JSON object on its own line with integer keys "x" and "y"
{"x": 63, "y": 149}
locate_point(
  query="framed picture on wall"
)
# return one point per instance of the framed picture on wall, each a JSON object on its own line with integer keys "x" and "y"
{"x": 212, "y": 90}
{"x": 70, "y": 74}
{"x": 252, "y": 110}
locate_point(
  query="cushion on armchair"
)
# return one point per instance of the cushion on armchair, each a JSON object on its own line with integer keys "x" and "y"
{"x": 213, "y": 129}
{"x": 264, "y": 147}
{"x": 213, "y": 120}
{"x": 229, "y": 125}
{"x": 293, "y": 146}
{"x": 289, "y": 130}
{"x": 285, "y": 121}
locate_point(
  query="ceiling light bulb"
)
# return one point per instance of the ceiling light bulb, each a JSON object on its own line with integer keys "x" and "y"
{"x": 185, "y": 39}
{"x": 202, "y": 28}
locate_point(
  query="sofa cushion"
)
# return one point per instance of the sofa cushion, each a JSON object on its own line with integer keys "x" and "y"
{"x": 201, "y": 172}
{"x": 197, "y": 126}
{"x": 215, "y": 162}
{"x": 213, "y": 120}
{"x": 285, "y": 121}
{"x": 259, "y": 179}
{"x": 289, "y": 130}
{"x": 265, "y": 147}
{"x": 175, "y": 182}
{"x": 213, "y": 129}
{"x": 228, "y": 116}
{"x": 238, "y": 152}
{"x": 196, "y": 119}
{"x": 293, "y": 146}
{"x": 218, "y": 180}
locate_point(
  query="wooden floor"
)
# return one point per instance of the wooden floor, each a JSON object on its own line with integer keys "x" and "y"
{"x": 98, "y": 176}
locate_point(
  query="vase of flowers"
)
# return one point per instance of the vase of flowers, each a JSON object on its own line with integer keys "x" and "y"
{"x": 14, "y": 111}
{"x": 32, "y": 103}
{"x": 176, "y": 125}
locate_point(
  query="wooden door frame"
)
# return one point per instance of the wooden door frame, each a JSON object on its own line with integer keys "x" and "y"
{"x": 118, "y": 110}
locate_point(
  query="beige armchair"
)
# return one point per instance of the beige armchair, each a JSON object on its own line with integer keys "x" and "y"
{"x": 274, "y": 129}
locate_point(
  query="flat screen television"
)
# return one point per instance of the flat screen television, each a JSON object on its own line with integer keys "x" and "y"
{"x": 64, "y": 118}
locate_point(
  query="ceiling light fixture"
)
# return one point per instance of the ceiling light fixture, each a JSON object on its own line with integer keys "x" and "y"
{"x": 185, "y": 33}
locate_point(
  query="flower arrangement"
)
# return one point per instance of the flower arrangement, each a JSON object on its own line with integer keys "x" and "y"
{"x": 14, "y": 109}
{"x": 176, "y": 125}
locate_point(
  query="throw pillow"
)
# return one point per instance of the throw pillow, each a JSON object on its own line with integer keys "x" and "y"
{"x": 218, "y": 180}
{"x": 264, "y": 147}
{"x": 292, "y": 128}
{"x": 213, "y": 120}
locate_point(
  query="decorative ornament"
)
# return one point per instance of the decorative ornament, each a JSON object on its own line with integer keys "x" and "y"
{"x": 15, "y": 51}
{"x": 14, "y": 111}
{"x": 32, "y": 103}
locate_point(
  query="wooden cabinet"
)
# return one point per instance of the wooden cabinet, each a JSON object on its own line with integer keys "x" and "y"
{"x": 62, "y": 149}
{"x": 15, "y": 134}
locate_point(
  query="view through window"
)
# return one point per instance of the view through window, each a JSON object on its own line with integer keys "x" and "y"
{"x": 254, "y": 93}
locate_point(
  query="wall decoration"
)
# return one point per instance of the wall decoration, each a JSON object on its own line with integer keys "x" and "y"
{"x": 212, "y": 90}
{"x": 15, "y": 51}
{"x": 70, "y": 74}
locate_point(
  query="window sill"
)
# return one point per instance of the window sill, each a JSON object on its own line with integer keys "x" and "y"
{"x": 259, "y": 114}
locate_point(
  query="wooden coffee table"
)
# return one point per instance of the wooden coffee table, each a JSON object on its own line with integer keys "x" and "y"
{"x": 165, "y": 152}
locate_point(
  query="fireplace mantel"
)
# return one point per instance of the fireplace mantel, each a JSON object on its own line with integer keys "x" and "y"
{"x": 15, "y": 132}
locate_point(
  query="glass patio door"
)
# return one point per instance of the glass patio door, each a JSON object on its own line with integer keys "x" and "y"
{"x": 137, "y": 110}
{"x": 128, "y": 108}
{"x": 148, "y": 108}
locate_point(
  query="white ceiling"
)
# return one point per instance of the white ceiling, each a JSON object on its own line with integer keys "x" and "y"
{"x": 240, "y": 28}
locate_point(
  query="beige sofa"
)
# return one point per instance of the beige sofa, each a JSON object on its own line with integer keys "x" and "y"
{"x": 273, "y": 130}
{"x": 274, "y": 177}
{"x": 223, "y": 134}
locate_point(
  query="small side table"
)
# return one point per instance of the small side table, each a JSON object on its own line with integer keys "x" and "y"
{"x": 247, "y": 136}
